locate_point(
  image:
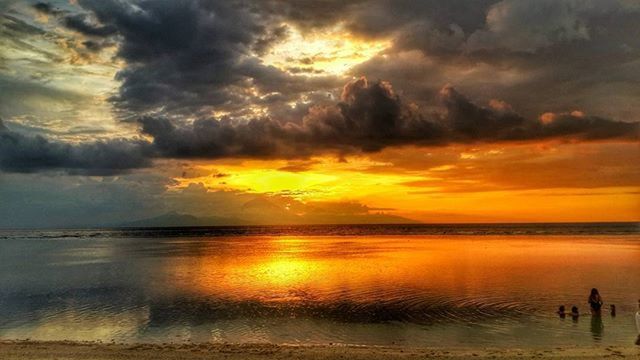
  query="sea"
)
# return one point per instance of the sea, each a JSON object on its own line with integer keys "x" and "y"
{"x": 442, "y": 285}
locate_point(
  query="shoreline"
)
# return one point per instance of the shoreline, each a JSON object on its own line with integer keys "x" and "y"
{"x": 70, "y": 350}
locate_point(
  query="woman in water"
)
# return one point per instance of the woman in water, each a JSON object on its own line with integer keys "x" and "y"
{"x": 595, "y": 301}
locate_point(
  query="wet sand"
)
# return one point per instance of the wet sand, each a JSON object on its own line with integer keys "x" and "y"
{"x": 26, "y": 350}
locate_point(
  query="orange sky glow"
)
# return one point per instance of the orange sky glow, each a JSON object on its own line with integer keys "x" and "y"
{"x": 558, "y": 182}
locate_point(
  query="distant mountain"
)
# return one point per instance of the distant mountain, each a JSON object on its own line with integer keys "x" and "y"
{"x": 174, "y": 219}
{"x": 264, "y": 212}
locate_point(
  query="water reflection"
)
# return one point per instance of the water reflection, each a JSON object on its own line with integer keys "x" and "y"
{"x": 420, "y": 279}
{"x": 597, "y": 328}
{"x": 419, "y": 290}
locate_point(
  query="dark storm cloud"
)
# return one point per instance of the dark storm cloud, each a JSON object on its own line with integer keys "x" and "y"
{"x": 377, "y": 18}
{"x": 307, "y": 14}
{"x": 434, "y": 25}
{"x": 540, "y": 55}
{"x": 189, "y": 57}
{"x": 533, "y": 24}
{"x": 22, "y": 153}
{"x": 185, "y": 60}
{"x": 195, "y": 57}
{"x": 178, "y": 54}
{"x": 469, "y": 122}
{"x": 369, "y": 118}
{"x": 272, "y": 36}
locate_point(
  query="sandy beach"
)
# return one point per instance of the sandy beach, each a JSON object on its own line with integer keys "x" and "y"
{"x": 25, "y": 350}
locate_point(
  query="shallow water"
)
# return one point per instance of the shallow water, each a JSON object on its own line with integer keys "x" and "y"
{"x": 395, "y": 285}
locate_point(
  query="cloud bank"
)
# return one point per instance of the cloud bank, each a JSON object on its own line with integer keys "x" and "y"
{"x": 23, "y": 153}
{"x": 369, "y": 118}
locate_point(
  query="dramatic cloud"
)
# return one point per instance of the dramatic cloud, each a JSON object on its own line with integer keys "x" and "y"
{"x": 202, "y": 57}
{"x": 22, "y": 153}
{"x": 537, "y": 55}
{"x": 532, "y": 24}
{"x": 370, "y": 117}
{"x": 498, "y": 122}
{"x": 191, "y": 57}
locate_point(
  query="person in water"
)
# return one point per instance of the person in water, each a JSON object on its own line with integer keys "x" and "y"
{"x": 613, "y": 310}
{"x": 574, "y": 312}
{"x": 595, "y": 301}
{"x": 561, "y": 312}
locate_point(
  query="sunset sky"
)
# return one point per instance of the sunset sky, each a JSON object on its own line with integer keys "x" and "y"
{"x": 319, "y": 111}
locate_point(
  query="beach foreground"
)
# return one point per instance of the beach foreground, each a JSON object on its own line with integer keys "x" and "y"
{"x": 65, "y": 350}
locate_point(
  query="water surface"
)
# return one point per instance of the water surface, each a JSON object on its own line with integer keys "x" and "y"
{"x": 411, "y": 285}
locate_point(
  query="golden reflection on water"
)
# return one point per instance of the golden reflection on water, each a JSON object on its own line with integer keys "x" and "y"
{"x": 366, "y": 268}
{"x": 349, "y": 289}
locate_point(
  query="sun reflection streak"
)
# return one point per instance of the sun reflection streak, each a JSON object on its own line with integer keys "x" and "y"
{"x": 281, "y": 269}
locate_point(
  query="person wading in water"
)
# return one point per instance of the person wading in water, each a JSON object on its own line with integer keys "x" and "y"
{"x": 595, "y": 301}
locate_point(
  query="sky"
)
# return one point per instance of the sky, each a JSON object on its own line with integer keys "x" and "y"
{"x": 319, "y": 111}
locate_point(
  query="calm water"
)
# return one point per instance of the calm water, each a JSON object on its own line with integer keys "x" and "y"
{"x": 411, "y": 285}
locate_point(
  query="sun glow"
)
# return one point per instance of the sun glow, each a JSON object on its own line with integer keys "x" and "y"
{"x": 318, "y": 179}
{"x": 332, "y": 51}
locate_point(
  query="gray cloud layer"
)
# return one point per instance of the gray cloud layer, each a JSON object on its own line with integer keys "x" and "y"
{"x": 191, "y": 57}
{"x": 22, "y": 153}
{"x": 185, "y": 60}
{"x": 200, "y": 56}
{"x": 370, "y": 117}
{"x": 539, "y": 55}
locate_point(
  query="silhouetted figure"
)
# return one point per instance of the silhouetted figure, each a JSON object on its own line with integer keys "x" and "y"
{"x": 595, "y": 301}
{"x": 575, "y": 313}
{"x": 561, "y": 312}
{"x": 613, "y": 310}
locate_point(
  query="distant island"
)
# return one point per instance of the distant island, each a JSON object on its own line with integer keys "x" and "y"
{"x": 174, "y": 219}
